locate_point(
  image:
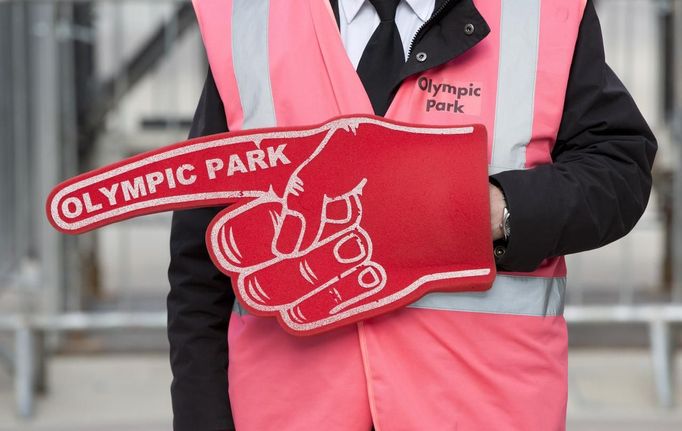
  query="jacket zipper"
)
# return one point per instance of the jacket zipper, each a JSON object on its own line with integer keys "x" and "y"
{"x": 427, "y": 22}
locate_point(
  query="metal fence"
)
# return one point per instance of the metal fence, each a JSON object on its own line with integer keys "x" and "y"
{"x": 90, "y": 82}
{"x": 86, "y": 83}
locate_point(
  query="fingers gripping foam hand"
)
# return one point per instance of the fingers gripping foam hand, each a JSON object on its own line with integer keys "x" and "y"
{"x": 327, "y": 225}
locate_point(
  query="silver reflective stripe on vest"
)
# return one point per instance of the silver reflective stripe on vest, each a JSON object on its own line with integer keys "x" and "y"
{"x": 524, "y": 296}
{"x": 528, "y": 296}
{"x": 519, "y": 41}
{"x": 250, "y": 50}
{"x": 237, "y": 308}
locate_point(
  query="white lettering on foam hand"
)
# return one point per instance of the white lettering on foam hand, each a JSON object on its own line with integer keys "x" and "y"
{"x": 170, "y": 178}
{"x": 141, "y": 186}
{"x": 67, "y": 205}
{"x": 110, "y": 194}
{"x": 277, "y": 155}
{"x": 182, "y": 179}
{"x": 213, "y": 166}
{"x": 150, "y": 183}
{"x": 256, "y": 157}
{"x": 154, "y": 179}
{"x": 235, "y": 165}
{"x": 89, "y": 207}
{"x": 134, "y": 189}
{"x": 72, "y": 207}
{"x": 251, "y": 161}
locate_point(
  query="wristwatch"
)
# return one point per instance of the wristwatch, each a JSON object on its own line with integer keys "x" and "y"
{"x": 506, "y": 224}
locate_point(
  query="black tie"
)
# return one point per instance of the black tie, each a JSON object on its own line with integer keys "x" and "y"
{"x": 383, "y": 57}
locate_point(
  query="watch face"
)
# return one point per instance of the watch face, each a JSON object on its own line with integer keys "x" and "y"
{"x": 507, "y": 224}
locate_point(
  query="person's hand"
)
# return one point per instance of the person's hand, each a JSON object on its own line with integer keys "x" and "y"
{"x": 497, "y": 205}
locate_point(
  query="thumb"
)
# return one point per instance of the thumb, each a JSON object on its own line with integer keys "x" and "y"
{"x": 300, "y": 220}
{"x": 312, "y": 218}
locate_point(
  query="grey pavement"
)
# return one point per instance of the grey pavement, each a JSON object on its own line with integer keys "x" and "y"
{"x": 608, "y": 391}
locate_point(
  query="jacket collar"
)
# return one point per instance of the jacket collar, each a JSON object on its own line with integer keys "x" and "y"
{"x": 421, "y": 8}
{"x": 444, "y": 38}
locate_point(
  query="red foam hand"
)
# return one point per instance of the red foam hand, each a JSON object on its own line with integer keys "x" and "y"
{"x": 329, "y": 224}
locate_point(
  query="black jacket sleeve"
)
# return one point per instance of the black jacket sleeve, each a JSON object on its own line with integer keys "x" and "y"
{"x": 599, "y": 184}
{"x": 199, "y": 304}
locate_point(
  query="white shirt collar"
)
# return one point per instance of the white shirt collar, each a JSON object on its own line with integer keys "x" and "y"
{"x": 421, "y": 8}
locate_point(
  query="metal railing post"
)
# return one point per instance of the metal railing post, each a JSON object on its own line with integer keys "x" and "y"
{"x": 677, "y": 141}
{"x": 24, "y": 360}
{"x": 662, "y": 355}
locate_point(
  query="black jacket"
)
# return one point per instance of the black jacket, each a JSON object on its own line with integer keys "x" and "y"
{"x": 593, "y": 193}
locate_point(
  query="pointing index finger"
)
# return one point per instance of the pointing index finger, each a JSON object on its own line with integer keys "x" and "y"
{"x": 208, "y": 171}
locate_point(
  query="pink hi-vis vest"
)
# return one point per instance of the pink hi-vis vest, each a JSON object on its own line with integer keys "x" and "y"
{"x": 283, "y": 63}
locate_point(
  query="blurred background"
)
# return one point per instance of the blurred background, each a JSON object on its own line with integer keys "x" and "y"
{"x": 82, "y": 319}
